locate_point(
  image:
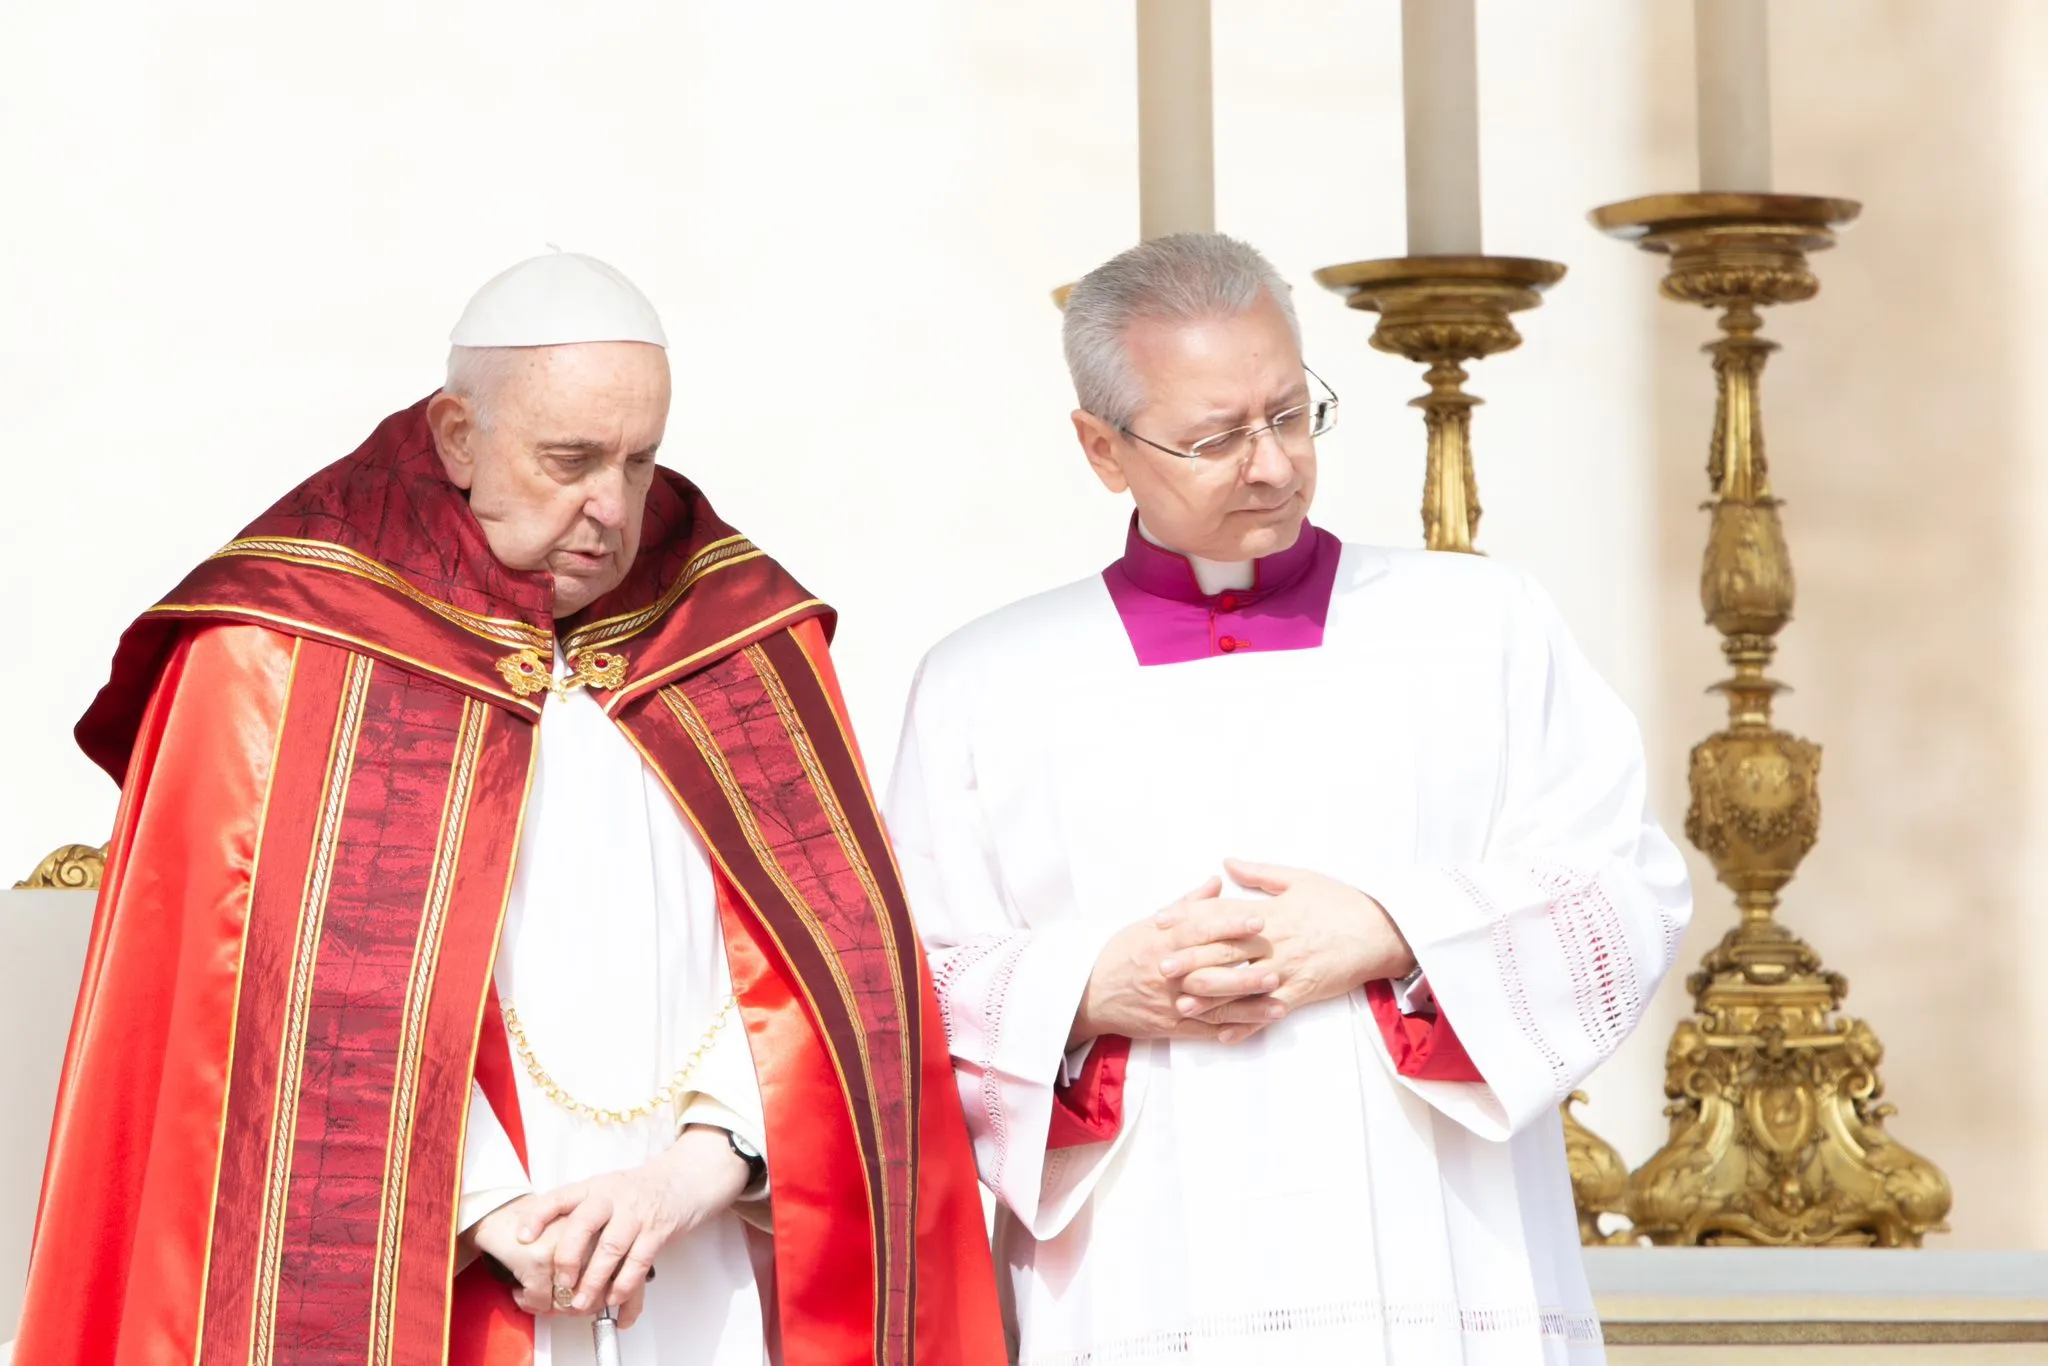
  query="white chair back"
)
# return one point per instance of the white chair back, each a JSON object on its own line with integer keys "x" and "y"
{"x": 43, "y": 936}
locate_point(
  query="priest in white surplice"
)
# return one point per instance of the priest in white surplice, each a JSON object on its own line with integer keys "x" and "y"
{"x": 1302, "y": 1109}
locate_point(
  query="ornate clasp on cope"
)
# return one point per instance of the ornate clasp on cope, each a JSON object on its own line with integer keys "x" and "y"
{"x": 527, "y": 672}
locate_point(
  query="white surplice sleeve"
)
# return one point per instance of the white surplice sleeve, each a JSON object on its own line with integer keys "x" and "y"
{"x": 1008, "y": 986}
{"x": 726, "y": 1095}
{"x": 491, "y": 1172}
{"x": 1544, "y": 953}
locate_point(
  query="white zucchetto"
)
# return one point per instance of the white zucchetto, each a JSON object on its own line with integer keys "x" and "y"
{"x": 559, "y": 299}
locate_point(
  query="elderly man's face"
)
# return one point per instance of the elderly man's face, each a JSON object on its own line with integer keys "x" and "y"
{"x": 559, "y": 475}
{"x": 1199, "y": 379}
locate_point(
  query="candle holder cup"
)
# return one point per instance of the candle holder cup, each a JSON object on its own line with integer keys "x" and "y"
{"x": 1442, "y": 311}
{"x": 1777, "y": 1136}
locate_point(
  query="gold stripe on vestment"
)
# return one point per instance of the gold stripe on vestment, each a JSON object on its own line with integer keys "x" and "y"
{"x": 700, "y": 735}
{"x": 317, "y": 631}
{"x": 611, "y": 630}
{"x": 328, "y": 555}
{"x": 842, "y": 829}
{"x": 713, "y": 651}
{"x": 298, "y": 1005}
{"x": 699, "y": 731}
{"x": 227, "y": 1088}
{"x": 419, "y": 990}
{"x": 477, "y": 1029}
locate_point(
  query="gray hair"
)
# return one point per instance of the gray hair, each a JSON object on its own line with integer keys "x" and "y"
{"x": 1187, "y": 277}
{"x": 477, "y": 373}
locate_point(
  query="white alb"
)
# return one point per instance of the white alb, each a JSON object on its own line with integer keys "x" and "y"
{"x": 613, "y": 955}
{"x": 1290, "y": 1199}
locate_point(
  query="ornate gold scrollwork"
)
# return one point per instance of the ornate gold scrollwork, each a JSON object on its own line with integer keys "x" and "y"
{"x": 525, "y": 672}
{"x": 528, "y": 672}
{"x": 1442, "y": 311}
{"x": 1599, "y": 1178}
{"x": 74, "y": 867}
{"x": 1776, "y": 1134}
{"x": 603, "y": 669}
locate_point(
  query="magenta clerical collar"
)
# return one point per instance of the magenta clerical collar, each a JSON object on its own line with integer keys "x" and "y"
{"x": 1171, "y": 620}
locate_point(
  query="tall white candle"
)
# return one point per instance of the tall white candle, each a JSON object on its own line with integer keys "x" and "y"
{"x": 1176, "y": 129}
{"x": 1732, "y": 53}
{"x": 1440, "y": 104}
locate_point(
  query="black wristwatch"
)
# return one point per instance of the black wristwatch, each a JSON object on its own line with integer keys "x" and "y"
{"x": 757, "y": 1165}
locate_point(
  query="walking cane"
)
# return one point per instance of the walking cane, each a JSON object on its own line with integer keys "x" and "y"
{"x": 604, "y": 1333}
{"x": 604, "y": 1337}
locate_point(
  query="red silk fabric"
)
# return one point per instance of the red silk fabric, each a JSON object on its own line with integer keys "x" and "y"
{"x": 325, "y": 756}
{"x": 317, "y": 938}
{"x": 956, "y": 1315}
{"x": 485, "y": 1326}
{"x": 1425, "y": 1047}
{"x": 869, "y": 1209}
{"x": 1091, "y": 1108}
{"x": 378, "y": 553}
{"x": 127, "y": 1199}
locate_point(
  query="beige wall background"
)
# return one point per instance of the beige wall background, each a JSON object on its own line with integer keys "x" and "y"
{"x": 240, "y": 233}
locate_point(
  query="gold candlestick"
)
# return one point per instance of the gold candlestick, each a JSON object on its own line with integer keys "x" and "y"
{"x": 1442, "y": 311}
{"x": 1777, "y": 1136}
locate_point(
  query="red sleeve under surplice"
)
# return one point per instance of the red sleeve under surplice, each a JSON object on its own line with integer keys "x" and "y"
{"x": 1090, "y": 1108}
{"x": 1424, "y": 1047}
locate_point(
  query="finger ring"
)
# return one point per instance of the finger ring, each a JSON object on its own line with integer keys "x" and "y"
{"x": 565, "y": 1295}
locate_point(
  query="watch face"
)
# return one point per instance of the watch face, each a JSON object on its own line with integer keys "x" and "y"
{"x": 743, "y": 1148}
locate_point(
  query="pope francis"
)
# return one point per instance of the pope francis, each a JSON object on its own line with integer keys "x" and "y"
{"x": 499, "y": 958}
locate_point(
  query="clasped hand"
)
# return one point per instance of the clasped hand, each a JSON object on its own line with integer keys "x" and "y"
{"x": 1220, "y": 968}
{"x": 599, "y": 1238}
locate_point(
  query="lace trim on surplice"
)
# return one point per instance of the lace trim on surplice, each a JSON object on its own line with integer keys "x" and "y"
{"x": 947, "y": 971}
{"x": 1501, "y": 937}
{"x": 950, "y": 965}
{"x": 1607, "y": 993}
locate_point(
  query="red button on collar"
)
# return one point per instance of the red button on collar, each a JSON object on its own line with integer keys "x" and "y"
{"x": 1227, "y": 603}
{"x": 1227, "y": 644}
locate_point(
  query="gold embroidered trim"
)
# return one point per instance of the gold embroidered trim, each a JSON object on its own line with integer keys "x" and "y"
{"x": 327, "y": 555}
{"x": 299, "y": 1003}
{"x": 713, "y": 650}
{"x": 412, "y": 1029}
{"x": 235, "y": 1041}
{"x": 842, "y": 828}
{"x": 311, "y": 630}
{"x": 718, "y": 555}
{"x": 694, "y": 725}
{"x": 526, "y": 671}
{"x": 510, "y": 866}
{"x": 849, "y": 846}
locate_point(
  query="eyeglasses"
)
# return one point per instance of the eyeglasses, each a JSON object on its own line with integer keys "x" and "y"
{"x": 1293, "y": 428}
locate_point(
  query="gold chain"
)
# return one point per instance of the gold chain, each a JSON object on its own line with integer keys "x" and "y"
{"x": 663, "y": 1099}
